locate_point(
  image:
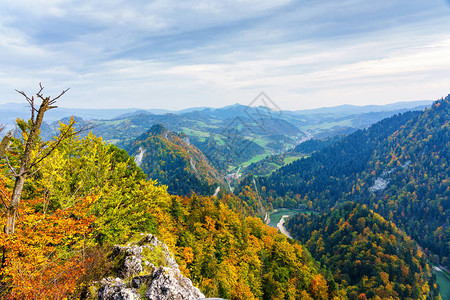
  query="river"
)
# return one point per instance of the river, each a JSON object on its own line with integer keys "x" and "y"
{"x": 277, "y": 218}
{"x": 444, "y": 283}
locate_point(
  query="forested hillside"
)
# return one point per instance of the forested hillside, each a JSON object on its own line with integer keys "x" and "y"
{"x": 273, "y": 162}
{"x": 88, "y": 196}
{"x": 314, "y": 145}
{"x": 172, "y": 160}
{"x": 366, "y": 254}
{"x": 400, "y": 167}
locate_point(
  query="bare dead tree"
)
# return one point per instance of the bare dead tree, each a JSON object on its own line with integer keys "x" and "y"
{"x": 28, "y": 163}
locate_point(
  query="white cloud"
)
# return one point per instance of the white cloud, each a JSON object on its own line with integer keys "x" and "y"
{"x": 180, "y": 54}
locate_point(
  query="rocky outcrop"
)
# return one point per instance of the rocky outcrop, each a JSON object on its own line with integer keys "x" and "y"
{"x": 146, "y": 270}
{"x": 115, "y": 289}
{"x": 168, "y": 284}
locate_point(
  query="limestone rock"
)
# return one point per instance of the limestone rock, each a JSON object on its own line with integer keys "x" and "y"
{"x": 169, "y": 284}
{"x": 138, "y": 281}
{"x": 151, "y": 242}
{"x": 115, "y": 289}
{"x": 132, "y": 259}
{"x": 147, "y": 266}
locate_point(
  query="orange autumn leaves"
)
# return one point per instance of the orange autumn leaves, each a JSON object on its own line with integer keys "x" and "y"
{"x": 44, "y": 258}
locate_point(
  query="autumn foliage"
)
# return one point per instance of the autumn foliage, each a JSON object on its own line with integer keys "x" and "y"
{"x": 90, "y": 195}
{"x": 45, "y": 255}
{"x": 369, "y": 256}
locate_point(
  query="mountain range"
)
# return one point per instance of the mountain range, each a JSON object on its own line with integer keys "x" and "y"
{"x": 231, "y": 136}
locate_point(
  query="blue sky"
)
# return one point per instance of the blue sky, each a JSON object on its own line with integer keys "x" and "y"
{"x": 179, "y": 54}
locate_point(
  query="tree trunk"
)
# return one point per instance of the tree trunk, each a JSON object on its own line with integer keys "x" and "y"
{"x": 24, "y": 170}
{"x": 11, "y": 212}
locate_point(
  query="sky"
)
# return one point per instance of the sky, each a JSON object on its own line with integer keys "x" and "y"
{"x": 179, "y": 54}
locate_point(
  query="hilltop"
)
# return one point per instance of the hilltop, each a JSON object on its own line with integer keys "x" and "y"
{"x": 172, "y": 160}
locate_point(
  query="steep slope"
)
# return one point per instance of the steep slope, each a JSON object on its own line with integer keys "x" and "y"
{"x": 399, "y": 166}
{"x": 232, "y": 257}
{"x": 171, "y": 159}
{"x": 366, "y": 254}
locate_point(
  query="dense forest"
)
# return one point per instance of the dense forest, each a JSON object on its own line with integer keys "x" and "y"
{"x": 368, "y": 255}
{"x": 314, "y": 145}
{"x": 399, "y": 167}
{"x": 90, "y": 195}
{"x": 172, "y": 160}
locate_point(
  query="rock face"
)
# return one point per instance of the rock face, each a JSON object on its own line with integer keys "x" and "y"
{"x": 168, "y": 284}
{"x": 115, "y": 289}
{"x": 131, "y": 257}
{"x": 146, "y": 270}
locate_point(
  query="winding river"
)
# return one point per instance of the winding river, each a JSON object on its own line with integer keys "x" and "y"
{"x": 277, "y": 218}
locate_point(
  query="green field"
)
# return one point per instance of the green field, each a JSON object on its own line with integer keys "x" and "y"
{"x": 254, "y": 159}
{"x": 113, "y": 141}
{"x": 262, "y": 141}
{"x": 289, "y": 159}
{"x": 444, "y": 284}
{"x": 204, "y": 125}
{"x": 328, "y": 125}
{"x": 275, "y": 217}
{"x": 196, "y": 133}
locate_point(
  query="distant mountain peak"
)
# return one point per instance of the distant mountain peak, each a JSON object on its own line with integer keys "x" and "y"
{"x": 234, "y": 105}
{"x": 139, "y": 112}
{"x": 67, "y": 120}
{"x": 158, "y": 129}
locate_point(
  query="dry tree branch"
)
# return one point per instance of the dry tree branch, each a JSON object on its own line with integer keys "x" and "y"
{"x": 51, "y": 102}
{"x": 59, "y": 96}
{"x": 31, "y": 103}
{"x": 34, "y": 172}
{"x": 13, "y": 170}
{"x": 27, "y": 162}
{"x": 43, "y": 148}
{"x": 41, "y": 89}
